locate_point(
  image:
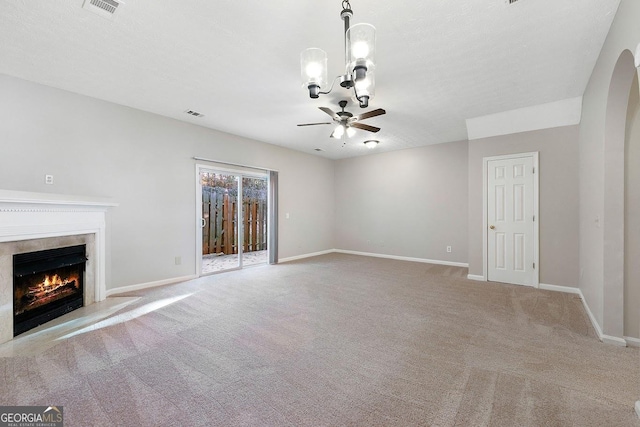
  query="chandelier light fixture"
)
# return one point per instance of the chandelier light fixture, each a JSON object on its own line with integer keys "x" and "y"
{"x": 360, "y": 47}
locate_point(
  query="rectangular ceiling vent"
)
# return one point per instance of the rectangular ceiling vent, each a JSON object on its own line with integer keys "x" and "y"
{"x": 194, "y": 113}
{"x": 105, "y": 8}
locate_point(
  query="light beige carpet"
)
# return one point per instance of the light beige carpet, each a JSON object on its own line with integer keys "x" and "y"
{"x": 335, "y": 340}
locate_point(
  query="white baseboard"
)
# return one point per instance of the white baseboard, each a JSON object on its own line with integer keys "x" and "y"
{"x": 607, "y": 339}
{"x": 375, "y": 255}
{"x": 556, "y": 288}
{"x": 632, "y": 342}
{"x": 293, "y": 258}
{"x": 638, "y": 408}
{"x": 476, "y": 277}
{"x": 594, "y": 322}
{"x": 140, "y": 286}
{"x": 403, "y": 258}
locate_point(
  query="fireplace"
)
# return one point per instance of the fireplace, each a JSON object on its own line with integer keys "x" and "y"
{"x": 31, "y": 222}
{"x": 46, "y": 285}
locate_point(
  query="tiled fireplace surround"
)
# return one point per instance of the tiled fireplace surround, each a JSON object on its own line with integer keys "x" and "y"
{"x": 35, "y": 221}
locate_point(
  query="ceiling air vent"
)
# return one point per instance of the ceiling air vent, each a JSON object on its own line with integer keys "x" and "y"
{"x": 194, "y": 113}
{"x": 105, "y": 8}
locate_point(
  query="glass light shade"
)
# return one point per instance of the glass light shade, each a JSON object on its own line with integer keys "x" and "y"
{"x": 372, "y": 143}
{"x": 313, "y": 67}
{"x": 366, "y": 87}
{"x": 361, "y": 46}
{"x": 338, "y": 132}
{"x": 350, "y": 132}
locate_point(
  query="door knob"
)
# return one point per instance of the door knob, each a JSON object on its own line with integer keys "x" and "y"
{"x": 493, "y": 227}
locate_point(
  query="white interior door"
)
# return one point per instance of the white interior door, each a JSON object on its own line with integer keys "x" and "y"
{"x": 511, "y": 237}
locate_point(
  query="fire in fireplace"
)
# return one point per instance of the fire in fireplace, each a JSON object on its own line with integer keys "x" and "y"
{"x": 46, "y": 285}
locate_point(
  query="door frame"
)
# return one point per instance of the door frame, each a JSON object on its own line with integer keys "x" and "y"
{"x": 198, "y": 223}
{"x": 536, "y": 211}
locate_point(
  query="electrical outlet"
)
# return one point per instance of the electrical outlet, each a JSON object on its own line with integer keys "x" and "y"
{"x": 448, "y": 248}
{"x": 48, "y": 179}
{"x": 286, "y": 215}
{"x": 178, "y": 260}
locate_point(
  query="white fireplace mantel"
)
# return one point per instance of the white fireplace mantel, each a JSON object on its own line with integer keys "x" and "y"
{"x": 16, "y": 198}
{"x": 26, "y": 216}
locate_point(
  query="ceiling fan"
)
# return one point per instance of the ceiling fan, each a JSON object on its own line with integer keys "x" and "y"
{"x": 346, "y": 122}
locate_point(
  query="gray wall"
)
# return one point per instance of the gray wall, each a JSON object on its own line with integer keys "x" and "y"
{"x": 410, "y": 203}
{"x": 144, "y": 162}
{"x": 632, "y": 217}
{"x": 624, "y": 34}
{"x": 558, "y": 177}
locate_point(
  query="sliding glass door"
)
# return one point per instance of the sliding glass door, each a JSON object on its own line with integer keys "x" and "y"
{"x": 234, "y": 220}
{"x": 219, "y": 221}
{"x": 254, "y": 220}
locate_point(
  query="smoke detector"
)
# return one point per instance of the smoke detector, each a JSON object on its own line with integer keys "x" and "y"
{"x": 105, "y": 8}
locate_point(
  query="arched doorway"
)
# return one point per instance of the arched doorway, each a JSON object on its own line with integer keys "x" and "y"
{"x": 614, "y": 195}
{"x": 632, "y": 217}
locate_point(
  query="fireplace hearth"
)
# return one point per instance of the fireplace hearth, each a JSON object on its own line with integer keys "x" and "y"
{"x": 46, "y": 285}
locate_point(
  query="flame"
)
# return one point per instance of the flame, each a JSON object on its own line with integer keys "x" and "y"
{"x": 49, "y": 288}
{"x": 51, "y": 283}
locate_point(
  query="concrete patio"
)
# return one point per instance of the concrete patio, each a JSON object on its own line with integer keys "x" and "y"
{"x": 214, "y": 263}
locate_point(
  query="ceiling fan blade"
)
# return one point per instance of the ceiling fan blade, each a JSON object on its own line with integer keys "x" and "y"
{"x": 371, "y": 113}
{"x": 313, "y": 124}
{"x": 365, "y": 127}
{"x": 329, "y": 112}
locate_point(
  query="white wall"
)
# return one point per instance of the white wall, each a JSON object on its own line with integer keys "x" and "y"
{"x": 409, "y": 203}
{"x": 632, "y": 217}
{"x": 558, "y": 177}
{"x": 624, "y": 34}
{"x": 144, "y": 162}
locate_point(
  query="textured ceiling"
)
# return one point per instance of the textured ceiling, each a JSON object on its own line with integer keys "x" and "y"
{"x": 237, "y": 61}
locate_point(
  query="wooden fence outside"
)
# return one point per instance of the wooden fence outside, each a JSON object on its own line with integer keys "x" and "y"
{"x": 219, "y": 211}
